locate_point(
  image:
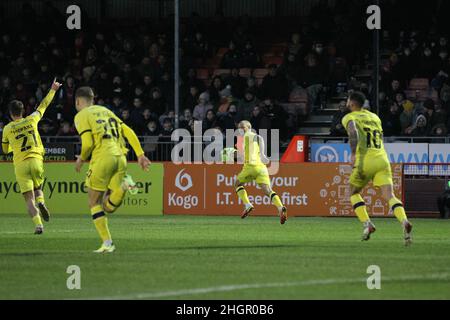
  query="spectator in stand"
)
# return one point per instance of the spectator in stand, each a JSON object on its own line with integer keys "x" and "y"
{"x": 167, "y": 129}
{"x": 46, "y": 128}
{"x": 192, "y": 80}
{"x": 406, "y": 120}
{"x": 252, "y": 85}
{"x": 274, "y": 85}
{"x": 230, "y": 119}
{"x": 199, "y": 47}
{"x": 127, "y": 119}
{"x": 294, "y": 46}
{"x": 420, "y": 127}
{"x": 321, "y": 55}
{"x": 137, "y": 117}
{"x": 152, "y": 129}
{"x": 247, "y": 104}
{"x": 337, "y": 129}
{"x": 428, "y": 65}
{"x": 166, "y": 85}
{"x": 202, "y": 107}
{"x": 394, "y": 88}
{"x": 103, "y": 85}
{"x": 231, "y": 58}
{"x": 236, "y": 82}
{"x": 249, "y": 56}
{"x": 210, "y": 121}
{"x": 434, "y": 118}
{"x": 148, "y": 116}
{"x": 312, "y": 78}
{"x": 226, "y": 98}
{"x": 259, "y": 120}
{"x": 443, "y": 68}
{"x": 391, "y": 121}
{"x": 291, "y": 69}
{"x": 191, "y": 98}
{"x": 277, "y": 116}
{"x": 117, "y": 105}
{"x": 157, "y": 103}
{"x": 406, "y": 66}
{"x": 185, "y": 119}
{"x": 403, "y": 103}
{"x": 65, "y": 130}
{"x": 167, "y": 115}
{"x": 217, "y": 85}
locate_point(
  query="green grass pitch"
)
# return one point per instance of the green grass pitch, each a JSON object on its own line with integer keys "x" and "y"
{"x": 187, "y": 257}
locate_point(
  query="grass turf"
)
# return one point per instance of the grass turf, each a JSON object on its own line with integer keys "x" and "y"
{"x": 185, "y": 257}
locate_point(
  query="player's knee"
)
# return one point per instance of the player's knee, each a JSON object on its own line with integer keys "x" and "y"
{"x": 237, "y": 183}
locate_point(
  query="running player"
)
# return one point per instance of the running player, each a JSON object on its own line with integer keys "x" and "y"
{"x": 255, "y": 170}
{"x": 102, "y": 134}
{"x": 21, "y": 136}
{"x": 370, "y": 162}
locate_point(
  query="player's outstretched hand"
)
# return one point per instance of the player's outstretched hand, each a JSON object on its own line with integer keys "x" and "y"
{"x": 144, "y": 163}
{"x": 56, "y": 85}
{"x": 78, "y": 164}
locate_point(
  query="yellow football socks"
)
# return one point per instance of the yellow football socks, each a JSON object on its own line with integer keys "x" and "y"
{"x": 360, "y": 207}
{"x": 397, "y": 207}
{"x": 276, "y": 201}
{"x": 114, "y": 200}
{"x": 242, "y": 194}
{"x": 40, "y": 199}
{"x": 37, "y": 220}
{"x": 101, "y": 223}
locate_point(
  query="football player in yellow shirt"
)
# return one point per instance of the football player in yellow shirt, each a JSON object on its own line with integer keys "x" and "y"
{"x": 21, "y": 136}
{"x": 370, "y": 163}
{"x": 102, "y": 140}
{"x": 255, "y": 170}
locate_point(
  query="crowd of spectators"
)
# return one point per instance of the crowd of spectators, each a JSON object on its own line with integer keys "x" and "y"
{"x": 404, "y": 109}
{"x": 131, "y": 71}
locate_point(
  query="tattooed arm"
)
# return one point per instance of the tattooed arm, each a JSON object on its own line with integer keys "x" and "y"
{"x": 352, "y": 138}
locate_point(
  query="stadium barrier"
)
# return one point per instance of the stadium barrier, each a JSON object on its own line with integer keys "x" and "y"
{"x": 423, "y": 184}
{"x": 66, "y": 192}
{"x": 307, "y": 189}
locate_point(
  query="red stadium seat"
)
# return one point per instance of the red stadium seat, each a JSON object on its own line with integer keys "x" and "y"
{"x": 221, "y": 52}
{"x": 245, "y": 72}
{"x": 202, "y": 74}
{"x": 219, "y": 72}
{"x": 298, "y": 95}
{"x": 419, "y": 84}
{"x": 260, "y": 73}
{"x": 273, "y": 60}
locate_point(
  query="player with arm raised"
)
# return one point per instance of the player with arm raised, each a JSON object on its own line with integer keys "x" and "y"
{"x": 370, "y": 163}
{"x": 255, "y": 170}
{"x": 21, "y": 136}
{"x": 102, "y": 134}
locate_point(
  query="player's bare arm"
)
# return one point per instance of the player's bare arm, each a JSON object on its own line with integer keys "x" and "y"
{"x": 49, "y": 98}
{"x": 133, "y": 140}
{"x": 352, "y": 139}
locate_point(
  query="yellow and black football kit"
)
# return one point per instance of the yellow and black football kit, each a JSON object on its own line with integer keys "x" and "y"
{"x": 371, "y": 161}
{"x": 102, "y": 134}
{"x": 23, "y": 139}
{"x": 254, "y": 169}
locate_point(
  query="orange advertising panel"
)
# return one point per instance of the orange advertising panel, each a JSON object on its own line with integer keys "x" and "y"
{"x": 307, "y": 189}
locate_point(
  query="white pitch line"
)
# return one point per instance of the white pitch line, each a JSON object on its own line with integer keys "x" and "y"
{"x": 52, "y": 231}
{"x": 229, "y": 288}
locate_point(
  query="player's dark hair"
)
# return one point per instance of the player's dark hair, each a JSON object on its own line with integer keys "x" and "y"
{"x": 358, "y": 97}
{"x": 16, "y": 108}
{"x": 85, "y": 92}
